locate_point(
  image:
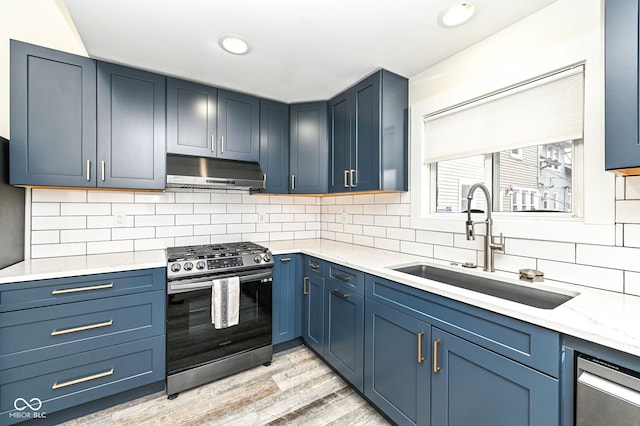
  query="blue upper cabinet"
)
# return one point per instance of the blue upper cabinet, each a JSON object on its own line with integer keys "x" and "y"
{"x": 53, "y": 117}
{"x": 274, "y": 145}
{"x": 238, "y": 126}
{"x": 309, "y": 145}
{"x": 131, "y": 128}
{"x": 369, "y": 135}
{"x": 622, "y": 146}
{"x": 191, "y": 118}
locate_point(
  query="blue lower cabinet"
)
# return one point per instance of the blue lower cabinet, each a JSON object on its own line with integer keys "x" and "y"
{"x": 397, "y": 364}
{"x": 287, "y": 307}
{"x": 344, "y": 332}
{"x": 474, "y": 386}
{"x": 60, "y": 383}
{"x": 313, "y": 312}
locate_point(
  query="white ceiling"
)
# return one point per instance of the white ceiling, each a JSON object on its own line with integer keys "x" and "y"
{"x": 301, "y": 50}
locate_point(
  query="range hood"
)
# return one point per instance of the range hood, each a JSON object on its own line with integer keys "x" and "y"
{"x": 185, "y": 171}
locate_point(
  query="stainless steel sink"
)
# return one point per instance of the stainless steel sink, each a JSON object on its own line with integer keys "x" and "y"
{"x": 516, "y": 293}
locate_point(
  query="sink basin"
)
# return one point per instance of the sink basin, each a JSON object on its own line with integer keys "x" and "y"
{"x": 535, "y": 297}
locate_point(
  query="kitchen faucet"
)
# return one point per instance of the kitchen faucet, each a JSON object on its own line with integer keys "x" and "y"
{"x": 489, "y": 244}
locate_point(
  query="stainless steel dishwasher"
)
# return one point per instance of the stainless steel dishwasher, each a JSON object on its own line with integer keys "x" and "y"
{"x": 606, "y": 394}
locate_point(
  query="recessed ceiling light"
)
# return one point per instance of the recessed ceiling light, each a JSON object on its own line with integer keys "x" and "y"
{"x": 234, "y": 44}
{"x": 456, "y": 15}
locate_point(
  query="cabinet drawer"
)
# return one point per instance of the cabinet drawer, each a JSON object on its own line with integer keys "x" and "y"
{"x": 32, "y": 294}
{"x": 76, "y": 379}
{"x": 314, "y": 266}
{"x": 526, "y": 343}
{"x": 347, "y": 277}
{"x": 34, "y": 335}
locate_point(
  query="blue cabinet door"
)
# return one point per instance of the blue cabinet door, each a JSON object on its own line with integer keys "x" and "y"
{"x": 344, "y": 336}
{"x": 131, "y": 128}
{"x": 341, "y": 128}
{"x": 366, "y": 146}
{"x": 622, "y": 150}
{"x": 472, "y": 385}
{"x": 53, "y": 117}
{"x": 313, "y": 311}
{"x": 274, "y": 145}
{"x": 309, "y": 148}
{"x": 397, "y": 364}
{"x": 191, "y": 118}
{"x": 238, "y": 126}
{"x": 286, "y": 313}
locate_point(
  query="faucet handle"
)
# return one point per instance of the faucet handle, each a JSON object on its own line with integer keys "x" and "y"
{"x": 470, "y": 230}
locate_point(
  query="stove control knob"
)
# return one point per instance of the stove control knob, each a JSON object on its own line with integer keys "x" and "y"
{"x": 175, "y": 267}
{"x": 258, "y": 258}
{"x": 188, "y": 266}
{"x": 200, "y": 265}
{"x": 266, "y": 257}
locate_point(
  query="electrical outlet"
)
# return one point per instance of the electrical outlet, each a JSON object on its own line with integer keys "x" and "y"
{"x": 263, "y": 217}
{"x": 120, "y": 219}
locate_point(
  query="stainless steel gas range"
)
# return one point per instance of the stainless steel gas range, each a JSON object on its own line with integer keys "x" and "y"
{"x": 198, "y": 351}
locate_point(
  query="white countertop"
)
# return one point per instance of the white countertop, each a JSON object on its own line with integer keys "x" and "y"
{"x": 56, "y": 267}
{"x": 603, "y": 317}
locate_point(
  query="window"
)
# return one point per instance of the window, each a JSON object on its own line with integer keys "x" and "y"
{"x": 515, "y": 184}
{"x": 520, "y": 142}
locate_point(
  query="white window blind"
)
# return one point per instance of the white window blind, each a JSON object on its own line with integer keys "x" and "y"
{"x": 546, "y": 110}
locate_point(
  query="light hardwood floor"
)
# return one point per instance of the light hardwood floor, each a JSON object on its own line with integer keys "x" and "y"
{"x": 297, "y": 389}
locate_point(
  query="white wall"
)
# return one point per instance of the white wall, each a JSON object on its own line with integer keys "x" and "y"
{"x": 42, "y": 22}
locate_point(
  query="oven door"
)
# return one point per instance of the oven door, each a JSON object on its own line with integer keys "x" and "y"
{"x": 192, "y": 340}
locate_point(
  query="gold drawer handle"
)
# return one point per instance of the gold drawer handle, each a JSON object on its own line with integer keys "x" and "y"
{"x": 82, "y": 380}
{"x": 78, "y": 289}
{"x": 436, "y": 367}
{"x": 84, "y": 327}
{"x": 420, "y": 357}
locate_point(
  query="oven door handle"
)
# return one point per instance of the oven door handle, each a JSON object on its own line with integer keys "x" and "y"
{"x": 205, "y": 282}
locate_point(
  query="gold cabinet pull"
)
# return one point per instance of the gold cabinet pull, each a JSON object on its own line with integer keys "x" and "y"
{"x": 305, "y": 291}
{"x": 436, "y": 345}
{"x": 420, "y": 357}
{"x": 82, "y": 380}
{"x": 82, "y": 328}
{"x": 78, "y": 289}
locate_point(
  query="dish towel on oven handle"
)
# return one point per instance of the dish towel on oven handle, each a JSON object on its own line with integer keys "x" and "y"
{"x": 225, "y": 302}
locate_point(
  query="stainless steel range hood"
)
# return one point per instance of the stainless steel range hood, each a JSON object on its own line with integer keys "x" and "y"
{"x": 185, "y": 171}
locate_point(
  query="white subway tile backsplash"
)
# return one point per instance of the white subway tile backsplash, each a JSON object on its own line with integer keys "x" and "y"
{"x": 387, "y": 221}
{"x": 419, "y": 249}
{"x": 590, "y": 276}
{"x": 281, "y": 236}
{"x": 344, "y": 199}
{"x": 85, "y": 209}
{"x": 45, "y": 209}
{"x": 281, "y": 199}
{"x": 352, "y": 229}
{"x": 374, "y": 231}
{"x": 433, "y": 237}
{"x": 563, "y": 252}
{"x": 452, "y": 254}
{"x": 153, "y": 244}
{"x": 209, "y": 208}
{"x": 100, "y": 247}
{"x": 226, "y": 198}
{"x": 194, "y": 240}
{"x": 344, "y": 238}
{"x": 306, "y": 200}
{"x": 164, "y": 220}
{"x": 241, "y": 208}
{"x": 45, "y": 237}
{"x": 399, "y": 209}
{"x": 210, "y": 229}
{"x": 627, "y": 211}
{"x": 631, "y": 233}
{"x": 284, "y": 218}
{"x": 335, "y": 227}
{"x": 241, "y": 228}
{"x": 255, "y": 199}
{"x": 363, "y": 240}
{"x": 193, "y": 219}
{"x": 353, "y": 209}
{"x": 364, "y": 199}
{"x": 174, "y": 231}
{"x": 226, "y": 218}
{"x": 153, "y": 197}
{"x": 386, "y": 244}
{"x": 622, "y": 258}
{"x": 294, "y": 208}
{"x": 312, "y": 226}
{"x": 177, "y": 209}
{"x": 314, "y": 209}
{"x": 632, "y": 283}
{"x": 304, "y": 235}
{"x": 110, "y": 197}
{"x": 108, "y": 222}
{"x": 387, "y": 198}
{"x": 268, "y": 227}
{"x": 133, "y": 209}
{"x": 58, "y": 195}
{"x": 375, "y": 209}
{"x": 362, "y": 219}
{"x": 401, "y": 234}
{"x": 195, "y": 197}
{"x": 54, "y": 250}
{"x": 620, "y": 187}
{"x": 250, "y": 218}
{"x": 58, "y": 222}
{"x": 508, "y": 263}
{"x": 460, "y": 240}
{"x": 304, "y": 217}
{"x": 269, "y": 208}
{"x": 132, "y": 233}
{"x": 296, "y": 226}
{"x": 632, "y": 188}
{"x": 80, "y": 235}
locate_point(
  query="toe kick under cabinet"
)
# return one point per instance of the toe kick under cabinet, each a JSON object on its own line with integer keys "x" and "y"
{"x": 69, "y": 341}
